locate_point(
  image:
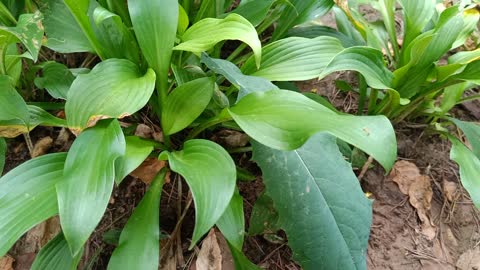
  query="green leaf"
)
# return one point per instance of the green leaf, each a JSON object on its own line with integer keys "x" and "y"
{"x": 56, "y": 78}
{"x": 294, "y": 59}
{"x": 27, "y": 196}
{"x": 264, "y": 217}
{"x": 246, "y": 84}
{"x": 285, "y": 120}
{"x": 88, "y": 179}
{"x": 232, "y": 222}
{"x": 472, "y": 132}
{"x": 114, "y": 88}
{"x": 470, "y": 73}
{"x": 451, "y": 96}
{"x": 183, "y": 20}
{"x": 241, "y": 262}
{"x": 3, "y": 153}
{"x": 212, "y": 188}
{"x": 321, "y": 206}
{"x": 29, "y": 31}
{"x": 185, "y": 104}
{"x": 314, "y": 31}
{"x": 13, "y": 105}
{"x": 208, "y": 9}
{"x": 417, "y": 15}
{"x": 469, "y": 167}
{"x": 56, "y": 256}
{"x": 206, "y": 33}
{"x": 299, "y": 11}
{"x": 365, "y": 60}
{"x": 155, "y": 25}
{"x": 254, "y": 11}
{"x": 139, "y": 244}
{"x": 64, "y": 35}
{"x": 136, "y": 151}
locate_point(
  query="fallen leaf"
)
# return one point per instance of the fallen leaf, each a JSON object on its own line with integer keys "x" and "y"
{"x": 170, "y": 261}
{"x": 215, "y": 253}
{"x": 148, "y": 170}
{"x": 62, "y": 137}
{"x": 421, "y": 194}
{"x": 42, "y": 146}
{"x": 404, "y": 173}
{"x": 6, "y": 263}
{"x": 232, "y": 138}
{"x": 450, "y": 190}
{"x": 143, "y": 131}
{"x": 469, "y": 260}
{"x": 158, "y": 136}
{"x": 39, "y": 235}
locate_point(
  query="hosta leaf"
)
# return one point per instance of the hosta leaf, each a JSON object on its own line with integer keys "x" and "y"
{"x": 203, "y": 35}
{"x": 56, "y": 256}
{"x": 186, "y": 103}
{"x": 232, "y": 222}
{"x": 114, "y": 88}
{"x": 136, "y": 151}
{"x": 417, "y": 15}
{"x": 88, "y": 178}
{"x": 13, "y": 105}
{"x": 264, "y": 218}
{"x": 64, "y": 35}
{"x": 155, "y": 25}
{"x": 365, "y": 60}
{"x": 294, "y": 59}
{"x": 183, "y": 20}
{"x": 472, "y": 132}
{"x": 56, "y": 78}
{"x": 470, "y": 73}
{"x": 451, "y": 95}
{"x": 254, "y": 11}
{"x": 29, "y": 31}
{"x": 469, "y": 166}
{"x": 3, "y": 153}
{"x": 13, "y": 62}
{"x": 321, "y": 206}
{"x": 139, "y": 244}
{"x": 241, "y": 262}
{"x": 246, "y": 84}
{"x": 298, "y": 12}
{"x": 212, "y": 188}
{"x": 208, "y": 9}
{"x": 314, "y": 31}
{"x": 285, "y": 120}
{"x": 27, "y": 196}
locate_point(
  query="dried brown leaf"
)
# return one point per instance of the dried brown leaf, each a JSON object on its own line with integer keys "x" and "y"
{"x": 450, "y": 190}
{"x": 6, "y": 263}
{"x": 232, "y": 138}
{"x": 42, "y": 146}
{"x": 404, "y": 173}
{"x": 143, "y": 131}
{"x": 63, "y": 137}
{"x": 148, "y": 170}
{"x": 421, "y": 194}
{"x": 215, "y": 253}
{"x": 469, "y": 260}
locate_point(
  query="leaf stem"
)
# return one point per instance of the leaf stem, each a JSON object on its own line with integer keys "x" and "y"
{"x": 223, "y": 116}
{"x": 362, "y": 88}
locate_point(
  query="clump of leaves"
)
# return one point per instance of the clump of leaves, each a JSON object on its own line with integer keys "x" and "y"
{"x": 166, "y": 55}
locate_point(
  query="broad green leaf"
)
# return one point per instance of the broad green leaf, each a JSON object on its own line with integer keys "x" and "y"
{"x": 206, "y": 33}
{"x": 13, "y": 105}
{"x": 56, "y": 78}
{"x": 469, "y": 167}
{"x": 472, "y": 132}
{"x": 417, "y": 15}
{"x": 294, "y": 58}
{"x": 246, "y": 84}
{"x": 320, "y": 202}
{"x": 139, "y": 244}
{"x": 64, "y": 35}
{"x": 6, "y": 17}
{"x": 365, "y": 60}
{"x": 285, "y": 120}
{"x": 3, "y": 153}
{"x": 452, "y": 95}
{"x": 299, "y": 11}
{"x": 13, "y": 63}
{"x": 264, "y": 217}
{"x": 232, "y": 222}
{"x": 212, "y": 188}
{"x": 114, "y": 88}
{"x": 136, "y": 151}
{"x": 155, "y": 25}
{"x": 88, "y": 178}
{"x": 314, "y": 31}
{"x": 29, "y": 31}
{"x": 183, "y": 20}
{"x": 470, "y": 73}
{"x": 254, "y": 11}
{"x": 186, "y": 103}
{"x": 27, "y": 196}
{"x": 208, "y": 9}
{"x": 56, "y": 256}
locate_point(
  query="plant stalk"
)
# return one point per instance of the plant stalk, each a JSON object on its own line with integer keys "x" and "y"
{"x": 223, "y": 116}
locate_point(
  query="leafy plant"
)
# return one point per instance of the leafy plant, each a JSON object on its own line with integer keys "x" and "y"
{"x": 166, "y": 54}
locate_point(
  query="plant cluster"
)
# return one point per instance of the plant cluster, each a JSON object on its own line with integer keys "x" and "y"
{"x": 167, "y": 55}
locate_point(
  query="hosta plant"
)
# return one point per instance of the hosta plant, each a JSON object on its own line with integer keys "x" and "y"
{"x": 165, "y": 54}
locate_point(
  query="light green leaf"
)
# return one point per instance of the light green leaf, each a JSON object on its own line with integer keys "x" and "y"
{"x": 285, "y": 120}
{"x": 139, "y": 244}
{"x": 186, "y": 103}
{"x": 88, "y": 179}
{"x": 64, "y": 35}
{"x": 321, "y": 205}
{"x": 13, "y": 105}
{"x": 451, "y": 96}
{"x": 27, "y": 197}
{"x": 136, "y": 151}
{"x": 472, "y": 132}
{"x": 206, "y": 33}
{"x": 232, "y": 222}
{"x": 294, "y": 59}
{"x": 314, "y": 31}
{"x": 183, "y": 20}
{"x": 212, "y": 189}
{"x": 155, "y": 25}
{"x": 3, "y": 153}
{"x": 299, "y": 11}
{"x": 417, "y": 15}
{"x": 365, "y": 60}
{"x": 470, "y": 73}
{"x": 56, "y": 256}
{"x": 114, "y": 88}
{"x": 469, "y": 167}
{"x": 56, "y": 78}
{"x": 246, "y": 84}
{"x": 254, "y": 11}
{"x": 29, "y": 31}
